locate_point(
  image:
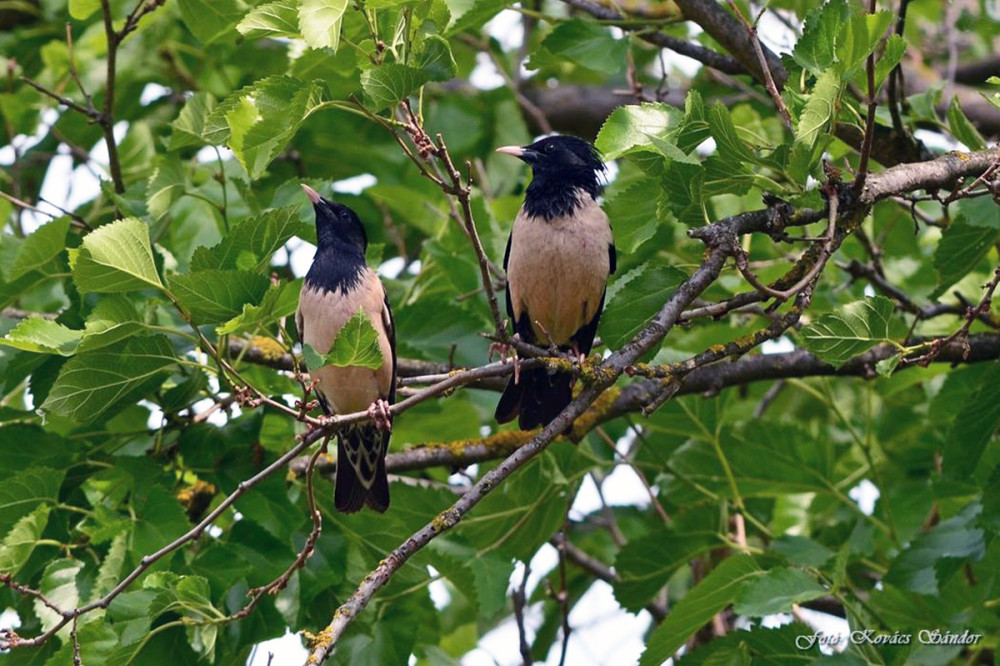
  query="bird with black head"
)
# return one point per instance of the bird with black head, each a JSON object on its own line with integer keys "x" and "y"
{"x": 338, "y": 285}
{"x": 558, "y": 259}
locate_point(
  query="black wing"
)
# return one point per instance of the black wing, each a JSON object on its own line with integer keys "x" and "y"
{"x": 506, "y": 289}
{"x": 390, "y": 331}
{"x": 612, "y": 258}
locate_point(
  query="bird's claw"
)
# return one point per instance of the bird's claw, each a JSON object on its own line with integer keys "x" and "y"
{"x": 379, "y": 413}
{"x": 505, "y": 350}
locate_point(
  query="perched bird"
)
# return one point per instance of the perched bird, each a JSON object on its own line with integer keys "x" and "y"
{"x": 339, "y": 284}
{"x": 558, "y": 259}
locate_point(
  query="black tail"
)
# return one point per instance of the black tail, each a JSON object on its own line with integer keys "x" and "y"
{"x": 361, "y": 469}
{"x": 536, "y": 400}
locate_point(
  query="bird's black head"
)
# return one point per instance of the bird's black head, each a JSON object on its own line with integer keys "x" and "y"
{"x": 560, "y": 166}
{"x": 336, "y": 224}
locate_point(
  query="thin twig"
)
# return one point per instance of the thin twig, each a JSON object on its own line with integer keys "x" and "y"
{"x": 765, "y": 68}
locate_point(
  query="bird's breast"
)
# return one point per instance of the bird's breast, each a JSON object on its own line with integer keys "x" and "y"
{"x": 322, "y": 314}
{"x": 558, "y": 270}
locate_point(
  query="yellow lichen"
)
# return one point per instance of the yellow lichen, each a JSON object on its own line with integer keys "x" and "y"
{"x": 594, "y": 414}
{"x": 270, "y": 349}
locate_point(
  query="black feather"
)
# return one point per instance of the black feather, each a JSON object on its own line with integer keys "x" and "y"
{"x": 361, "y": 477}
{"x": 341, "y": 242}
{"x": 561, "y": 165}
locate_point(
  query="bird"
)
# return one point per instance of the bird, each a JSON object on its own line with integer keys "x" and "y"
{"x": 339, "y": 284}
{"x": 559, "y": 256}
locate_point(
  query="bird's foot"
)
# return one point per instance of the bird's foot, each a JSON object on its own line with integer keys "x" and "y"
{"x": 580, "y": 356}
{"x": 378, "y": 412}
{"x": 507, "y": 351}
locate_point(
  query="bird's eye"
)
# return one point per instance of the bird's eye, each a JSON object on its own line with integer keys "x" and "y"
{"x": 549, "y": 147}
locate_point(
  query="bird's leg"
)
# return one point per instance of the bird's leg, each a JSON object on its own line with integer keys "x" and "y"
{"x": 504, "y": 349}
{"x": 580, "y": 356}
{"x": 378, "y": 412}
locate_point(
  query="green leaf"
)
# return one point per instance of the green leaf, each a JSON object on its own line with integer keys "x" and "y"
{"x": 731, "y": 147}
{"x": 251, "y": 243}
{"x": 637, "y": 297}
{"x": 711, "y": 595}
{"x": 42, "y": 336}
{"x": 272, "y": 19}
{"x": 634, "y": 214}
{"x": 89, "y": 385}
{"x": 190, "y": 126}
{"x": 801, "y": 550}
{"x": 166, "y": 185}
{"x": 114, "y": 318}
{"x": 82, "y": 9}
{"x": 820, "y": 108}
{"x": 644, "y": 565}
{"x": 37, "y": 249}
{"x": 887, "y": 366}
{"x": 976, "y": 423}
{"x": 20, "y": 542}
{"x": 356, "y": 345}
{"x": 319, "y": 22}
{"x": 280, "y": 301}
{"x": 962, "y": 246}
{"x": 979, "y": 212}
{"x": 815, "y": 49}
{"x": 962, "y": 128}
{"x": 859, "y": 37}
{"x": 116, "y": 257}
{"x": 215, "y": 296}
{"x": 892, "y": 55}
{"x": 436, "y": 59}
{"x": 58, "y": 584}
{"x": 25, "y": 491}
{"x": 917, "y": 567}
{"x": 587, "y": 44}
{"x": 110, "y": 571}
{"x": 775, "y": 592}
{"x": 852, "y": 329}
{"x": 490, "y": 574}
{"x": 389, "y": 84}
{"x": 208, "y": 20}
{"x": 261, "y": 119}
{"x": 629, "y": 127}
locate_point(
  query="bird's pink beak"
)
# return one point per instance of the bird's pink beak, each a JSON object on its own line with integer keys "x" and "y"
{"x": 516, "y": 151}
{"x": 311, "y": 193}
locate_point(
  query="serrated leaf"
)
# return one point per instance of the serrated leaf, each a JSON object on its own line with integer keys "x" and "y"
{"x": 166, "y": 185}
{"x": 189, "y": 128}
{"x": 643, "y": 292}
{"x": 114, "y": 318}
{"x": 587, "y": 44}
{"x": 215, "y": 296}
{"x": 436, "y": 59}
{"x": 259, "y": 120}
{"x": 962, "y": 246}
{"x": 25, "y": 491}
{"x": 21, "y": 540}
{"x": 356, "y": 345}
{"x": 110, "y": 570}
{"x": 250, "y": 244}
{"x": 89, "y": 385}
{"x": 645, "y": 564}
{"x": 962, "y": 128}
{"x": 850, "y": 330}
{"x": 42, "y": 336}
{"x": 820, "y": 108}
{"x": 633, "y": 214}
{"x": 208, "y": 20}
{"x": 976, "y": 423}
{"x": 490, "y": 574}
{"x": 280, "y": 301}
{"x": 815, "y": 48}
{"x": 272, "y": 19}
{"x": 775, "y": 591}
{"x": 708, "y": 597}
{"x": 629, "y": 127}
{"x": 979, "y": 212}
{"x": 37, "y": 249}
{"x": 859, "y": 37}
{"x": 728, "y": 142}
{"x": 389, "y": 84}
{"x": 320, "y": 21}
{"x": 116, "y": 257}
{"x": 58, "y": 584}
{"x": 916, "y": 567}
{"x": 892, "y": 55}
